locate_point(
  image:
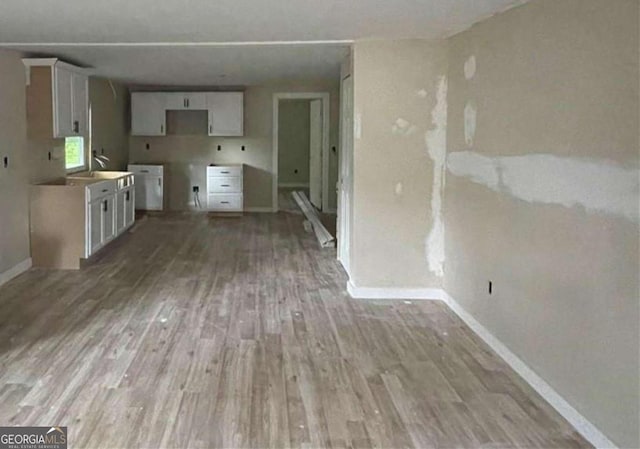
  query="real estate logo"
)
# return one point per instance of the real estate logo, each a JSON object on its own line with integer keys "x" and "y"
{"x": 33, "y": 438}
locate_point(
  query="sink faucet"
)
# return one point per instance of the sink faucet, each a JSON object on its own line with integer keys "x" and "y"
{"x": 100, "y": 160}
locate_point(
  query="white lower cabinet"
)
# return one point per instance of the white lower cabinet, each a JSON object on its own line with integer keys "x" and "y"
{"x": 110, "y": 211}
{"x": 225, "y": 188}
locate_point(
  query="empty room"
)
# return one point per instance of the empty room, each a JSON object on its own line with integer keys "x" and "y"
{"x": 337, "y": 224}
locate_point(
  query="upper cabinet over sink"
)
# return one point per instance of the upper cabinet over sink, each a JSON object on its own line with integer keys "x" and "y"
{"x": 225, "y": 111}
{"x": 58, "y": 95}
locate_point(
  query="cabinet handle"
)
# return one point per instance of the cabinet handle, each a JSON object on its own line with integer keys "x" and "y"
{"x": 161, "y": 128}
{"x": 224, "y": 172}
{"x": 106, "y": 205}
{"x": 188, "y": 103}
{"x": 160, "y": 182}
{"x": 225, "y": 185}
{"x": 144, "y": 171}
{"x": 210, "y": 129}
{"x": 105, "y": 190}
{"x": 224, "y": 202}
{"x": 76, "y": 127}
{"x": 128, "y": 197}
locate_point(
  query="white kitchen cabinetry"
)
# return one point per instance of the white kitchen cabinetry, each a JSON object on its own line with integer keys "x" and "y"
{"x": 80, "y": 104}
{"x": 148, "y": 114}
{"x": 69, "y": 96}
{"x": 149, "y": 180}
{"x": 226, "y": 113}
{"x": 62, "y": 103}
{"x": 110, "y": 211}
{"x": 225, "y": 188}
{"x": 178, "y": 101}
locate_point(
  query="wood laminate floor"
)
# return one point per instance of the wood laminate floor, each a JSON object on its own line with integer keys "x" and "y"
{"x": 201, "y": 333}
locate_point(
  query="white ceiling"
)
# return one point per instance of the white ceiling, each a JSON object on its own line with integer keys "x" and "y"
{"x": 43, "y": 26}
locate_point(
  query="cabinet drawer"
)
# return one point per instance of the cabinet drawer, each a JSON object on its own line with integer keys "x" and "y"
{"x": 100, "y": 189}
{"x": 224, "y": 185}
{"x": 220, "y": 170}
{"x": 225, "y": 202}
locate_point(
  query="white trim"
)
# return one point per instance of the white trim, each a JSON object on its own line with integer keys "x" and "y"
{"x": 296, "y": 185}
{"x": 326, "y": 107}
{"x": 582, "y": 425}
{"x": 15, "y": 271}
{"x": 178, "y": 44}
{"x": 394, "y": 293}
{"x": 259, "y": 209}
{"x": 579, "y": 422}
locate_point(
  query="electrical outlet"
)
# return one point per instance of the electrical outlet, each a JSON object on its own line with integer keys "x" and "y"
{"x": 296, "y": 171}
{"x": 147, "y": 145}
{"x": 490, "y": 287}
{"x": 242, "y": 147}
{"x": 196, "y": 189}
{"x": 5, "y": 162}
{"x": 219, "y": 147}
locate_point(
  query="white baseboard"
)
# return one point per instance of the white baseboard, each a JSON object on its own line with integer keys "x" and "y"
{"x": 15, "y": 271}
{"x": 259, "y": 209}
{"x": 579, "y": 422}
{"x": 394, "y": 293}
{"x": 297, "y": 185}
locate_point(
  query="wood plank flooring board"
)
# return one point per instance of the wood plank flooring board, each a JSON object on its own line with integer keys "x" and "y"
{"x": 208, "y": 333}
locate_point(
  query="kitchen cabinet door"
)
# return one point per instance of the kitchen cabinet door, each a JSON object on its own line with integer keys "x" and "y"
{"x": 62, "y": 103}
{"x": 95, "y": 226}
{"x": 80, "y": 99}
{"x": 148, "y": 114}
{"x": 153, "y": 192}
{"x": 226, "y": 113}
{"x": 179, "y": 101}
{"x": 108, "y": 218}
{"x": 129, "y": 207}
{"x": 121, "y": 205}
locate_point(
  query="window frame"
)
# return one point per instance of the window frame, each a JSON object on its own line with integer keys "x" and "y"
{"x": 76, "y": 168}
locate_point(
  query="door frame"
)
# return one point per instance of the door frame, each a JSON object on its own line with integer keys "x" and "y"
{"x": 324, "y": 96}
{"x": 345, "y": 172}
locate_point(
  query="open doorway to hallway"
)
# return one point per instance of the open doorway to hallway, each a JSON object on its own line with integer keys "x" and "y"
{"x": 301, "y": 152}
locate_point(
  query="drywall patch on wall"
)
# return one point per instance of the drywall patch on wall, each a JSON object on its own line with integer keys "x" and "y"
{"x": 597, "y": 185}
{"x": 470, "y": 67}
{"x": 475, "y": 167}
{"x": 403, "y": 128}
{"x": 436, "y": 141}
{"x": 422, "y": 93}
{"x": 398, "y": 189}
{"x": 470, "y": 119}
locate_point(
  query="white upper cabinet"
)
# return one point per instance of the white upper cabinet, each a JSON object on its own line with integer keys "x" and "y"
{"x": 148, "y": 114}
{"x": 80, "y": 103}
{"x": 178, "y": 101}
{"x": 69, "y": 98}
{"x": 62, "y": 103}
{"x": 226, "y": 113}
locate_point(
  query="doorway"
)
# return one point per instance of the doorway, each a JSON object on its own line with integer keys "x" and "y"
{"x": 301, "y": 146}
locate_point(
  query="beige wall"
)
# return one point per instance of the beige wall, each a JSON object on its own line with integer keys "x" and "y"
{"x": 293, "y": 141}
{"x": 45, "y": 154}
{"x": 110, "y": 122}
{"x": 542, "y": 199}
{"x": 14, "y": 203}
{"x": 399, "y": 149}
{"x": 188, "y": 150}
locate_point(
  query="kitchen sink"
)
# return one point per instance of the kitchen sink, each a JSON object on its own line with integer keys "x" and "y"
{"x": 100, "y": 175}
